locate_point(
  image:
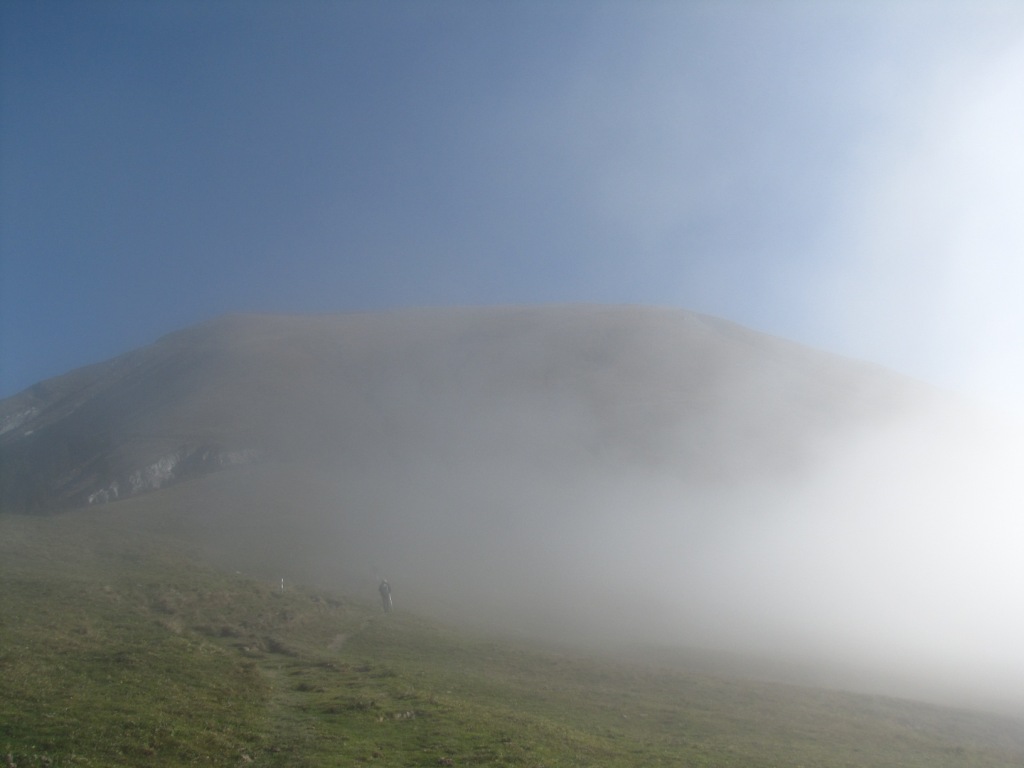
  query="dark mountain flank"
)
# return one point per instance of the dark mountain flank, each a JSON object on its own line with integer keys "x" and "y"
{"x": 548, "y": 391}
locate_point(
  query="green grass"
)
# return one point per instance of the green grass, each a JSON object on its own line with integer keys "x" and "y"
{"x": 121, "y": 649}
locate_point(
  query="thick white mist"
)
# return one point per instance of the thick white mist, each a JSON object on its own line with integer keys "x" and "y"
{"x": 897, "y": 562}
{"x": 893, "y": 565}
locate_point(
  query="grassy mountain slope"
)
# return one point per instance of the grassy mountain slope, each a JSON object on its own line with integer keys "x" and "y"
{"x": 119, "y": 646}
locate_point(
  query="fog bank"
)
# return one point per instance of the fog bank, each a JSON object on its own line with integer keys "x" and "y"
{"x": 891, "y": 563}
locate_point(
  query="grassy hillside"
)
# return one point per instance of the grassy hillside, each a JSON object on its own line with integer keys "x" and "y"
{"x": 118, "y": 648}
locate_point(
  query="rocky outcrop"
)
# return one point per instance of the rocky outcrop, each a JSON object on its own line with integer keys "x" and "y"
{"x": 182, "y": 464}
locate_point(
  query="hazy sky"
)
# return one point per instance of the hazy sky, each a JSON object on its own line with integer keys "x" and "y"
{"x": 846, "y": 174}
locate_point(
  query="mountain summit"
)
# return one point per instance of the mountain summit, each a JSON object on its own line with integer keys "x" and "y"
{"x": 558, "y": 389}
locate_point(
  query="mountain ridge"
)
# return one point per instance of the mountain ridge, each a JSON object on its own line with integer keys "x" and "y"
{"x": 203, "y": 398}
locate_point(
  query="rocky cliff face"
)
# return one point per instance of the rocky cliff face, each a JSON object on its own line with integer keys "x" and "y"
{"x": 544, "y": 390}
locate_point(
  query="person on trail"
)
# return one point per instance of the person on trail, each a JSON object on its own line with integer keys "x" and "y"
{"x": 385, "y": 595}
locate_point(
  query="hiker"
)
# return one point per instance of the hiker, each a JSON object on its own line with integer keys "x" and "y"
{"x": 385, "y": 595}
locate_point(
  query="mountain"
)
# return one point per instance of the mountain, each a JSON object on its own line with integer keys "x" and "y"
{"x": 615, "y": 476}
{"x": 573, "y": 387}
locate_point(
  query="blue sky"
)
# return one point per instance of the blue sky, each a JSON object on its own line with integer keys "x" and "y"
{"x": 849, "y": 175}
